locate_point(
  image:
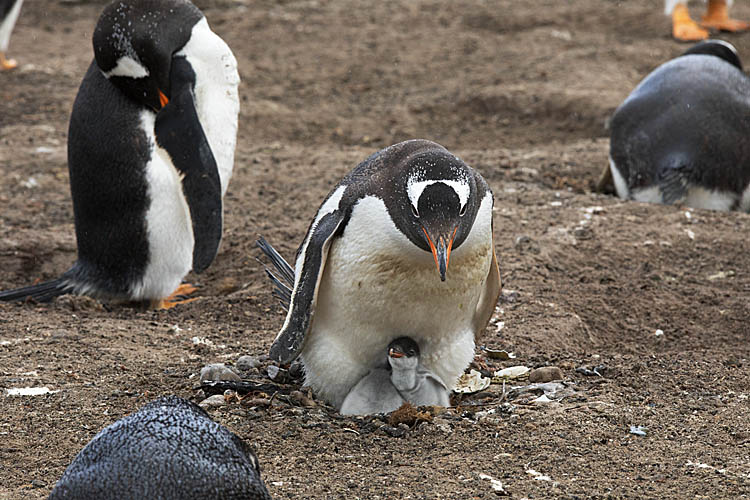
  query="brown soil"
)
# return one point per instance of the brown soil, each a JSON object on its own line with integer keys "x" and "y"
{"x": 521, "y": 91}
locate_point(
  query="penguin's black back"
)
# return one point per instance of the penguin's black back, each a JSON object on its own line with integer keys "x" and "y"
{"x": 689, "y": 118}
{"x": 169, "y": 450}
{"x": 5, "y": 6}
{"x": 107, "y": 157}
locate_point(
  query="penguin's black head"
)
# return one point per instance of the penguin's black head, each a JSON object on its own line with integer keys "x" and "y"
{"x": 135, "y": 41}
{"x": 440, "y": 205}
{"x": 403, "y": 347}
{"x": 719, "y": 48}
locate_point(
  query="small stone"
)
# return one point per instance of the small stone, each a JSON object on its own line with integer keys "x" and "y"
{"x": 545, "y": 374}
{"x": 213, "y": 401}
{"x": 247, "y": 363}
{"x": 299, "y": 398}
{"x": 218, "y": 371}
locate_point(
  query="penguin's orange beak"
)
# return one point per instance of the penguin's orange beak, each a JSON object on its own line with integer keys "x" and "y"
{"x": 163, "y": 100}
{"x": 394, "y": 353}
{"x": 442, "y": 251}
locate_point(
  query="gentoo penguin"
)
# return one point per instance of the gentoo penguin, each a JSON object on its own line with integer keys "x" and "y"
{"x": 682, "y": 135}
{"x": 403, "y": 378}
{"x": 171, "y": 450}
{"x": 716, "y": 17}
{"x": 150, "y": 153}
{"x": 375, "y": 263}
{"x": 9, "y": 10}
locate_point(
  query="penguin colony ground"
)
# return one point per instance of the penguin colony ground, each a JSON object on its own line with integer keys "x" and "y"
{"x": 411, "y": 210}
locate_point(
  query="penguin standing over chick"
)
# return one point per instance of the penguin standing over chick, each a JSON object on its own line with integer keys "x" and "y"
{"x": 375, "y": 263}
{"x": 150, "y": 154}
{"x": 171, "y": 450}
{"x": 682, "y": 135}
{"x": 385, "y": 389}
{"x": 9, "y": 10}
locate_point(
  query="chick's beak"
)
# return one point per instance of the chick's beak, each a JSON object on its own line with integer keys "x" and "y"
{"x": 394, "y": 353}
{"x": 442, "y": 251}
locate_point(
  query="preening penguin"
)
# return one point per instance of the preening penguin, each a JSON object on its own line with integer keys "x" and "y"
{"x": 375, "y": 264}
{"x": 170, "y": 449}
{"x": 150, "y": 153}
{"x": 682, "y": 135}
{"x": 9, "y": 10}
{"x": 402, "y": 378}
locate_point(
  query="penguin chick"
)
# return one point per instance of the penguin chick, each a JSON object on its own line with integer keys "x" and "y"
{"x": 385, "y": 389}
{"x": 171, "y": 450}
{"x": 150, "y": 153}
{"x": 375, "y": 263}
{"x": 682, "y": 135}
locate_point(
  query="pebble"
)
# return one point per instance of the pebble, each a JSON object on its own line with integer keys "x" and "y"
{"x": 218, "y": 371}
{"x": 213, "y": 401}
{"x": 247, "y": 363}
{"x": 299, "y": 398}
{"x": 545, "y": 374}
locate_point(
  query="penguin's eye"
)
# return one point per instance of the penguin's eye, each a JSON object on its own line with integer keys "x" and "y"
{"x": 414, "y": 211}
{"x": 462, "y": 211}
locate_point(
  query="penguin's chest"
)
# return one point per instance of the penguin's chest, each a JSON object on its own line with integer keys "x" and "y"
{"x": 377, "y": 286}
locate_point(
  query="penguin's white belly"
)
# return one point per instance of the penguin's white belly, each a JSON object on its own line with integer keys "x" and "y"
{"x": 168, "y": 225}
{"x": 378, "y": 286}
{"x": 696, "y": 196}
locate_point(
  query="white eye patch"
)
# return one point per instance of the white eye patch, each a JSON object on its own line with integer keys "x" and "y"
{"x": 415, "y": 188}
{"x": 128, "y": 66}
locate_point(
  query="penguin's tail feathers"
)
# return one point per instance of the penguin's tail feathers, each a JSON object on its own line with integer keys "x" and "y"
{"x": 41, "y": 292}
{"x": 284, "y": 281}
{"x": 673, "y": 178}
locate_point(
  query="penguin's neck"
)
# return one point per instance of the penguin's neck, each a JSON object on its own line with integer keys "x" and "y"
{"x": 404, "y": 379}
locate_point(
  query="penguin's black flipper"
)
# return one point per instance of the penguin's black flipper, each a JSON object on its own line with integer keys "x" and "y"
{"x": 284, "y": 284}
{"x": 178, "y": 130}
{"x": 170, "y": 449}
{"x": 314, "y": 252}
{"x": 41, "y": 292}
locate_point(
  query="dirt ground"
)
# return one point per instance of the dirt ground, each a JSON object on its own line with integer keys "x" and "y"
{"x": 521, "y": 91}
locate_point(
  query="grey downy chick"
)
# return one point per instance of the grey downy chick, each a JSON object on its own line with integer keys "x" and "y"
{"x": 402, "y": 378}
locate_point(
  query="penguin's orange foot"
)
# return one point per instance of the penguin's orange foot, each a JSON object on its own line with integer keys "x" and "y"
{"x": 6, "y": 64}
{"x": 724, "y": 24}
{"x": 683, "y": 26}
{"x": 179, "y": 296}
{"x": 688, "y": 32}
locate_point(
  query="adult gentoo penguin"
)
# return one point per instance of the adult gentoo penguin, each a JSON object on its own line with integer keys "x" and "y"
{"x": 171, "y": 450}
{"x": 682, "y": 135}
{"x": 150, "y": 153}
{"x": 375, "y": 264}
{"x": 9, "y": 10}
{"x": 402, "y": 378}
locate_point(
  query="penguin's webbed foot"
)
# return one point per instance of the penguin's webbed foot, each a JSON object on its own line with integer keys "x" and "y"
{"x": 717, "y": 17}
{"x": 179, "y": 296}
{"x": 6, "y": 64}
{"x": 684, "y": 28}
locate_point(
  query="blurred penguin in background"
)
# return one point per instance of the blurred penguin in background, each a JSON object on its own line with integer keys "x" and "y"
{"x": 716, "y": 17}
{"x": 9, "y": 10}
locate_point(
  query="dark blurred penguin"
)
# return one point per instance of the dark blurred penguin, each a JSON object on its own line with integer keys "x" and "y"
{"x": 150, "y": 153}
{"x": 168, "y": 450}
{"x": 375, "y": 264}
{"x": 403, "y": 378}
{"x": 683, "y": 134}
{"x": 9, "y": 10}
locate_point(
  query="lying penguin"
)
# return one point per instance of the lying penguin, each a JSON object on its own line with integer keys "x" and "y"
{"x": 682, "y": 135}
{"x": 9, "y": 10}
{"x": 374, "y": 264}
{"x": 386, "y": 388}
{"x": 171, "y": 450}
{"x": 150, "y": 153}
